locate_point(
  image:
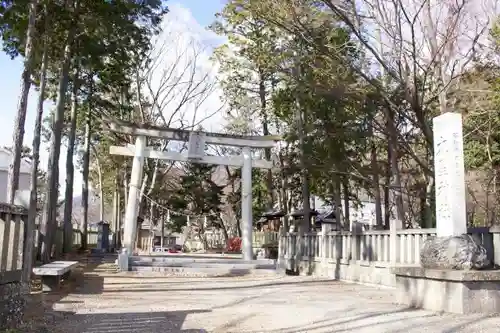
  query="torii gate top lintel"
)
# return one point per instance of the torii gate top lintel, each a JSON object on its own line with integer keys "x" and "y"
{"x": 222, "y": 139}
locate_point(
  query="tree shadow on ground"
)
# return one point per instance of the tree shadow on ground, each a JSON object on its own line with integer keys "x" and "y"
{"x": 338, "y": 326}
{"x": 379, "y": 319}
{"x": 464, "y": 326}
{"x": 137, "y": 322}
{"x": 39, "y": 304}
{"x": 151, "y": 286}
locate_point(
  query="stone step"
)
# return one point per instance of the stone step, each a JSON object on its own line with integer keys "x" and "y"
{"x": 186, "y": 259}
{"x": 203, "y": 271}
{"x": 215, "y": 265}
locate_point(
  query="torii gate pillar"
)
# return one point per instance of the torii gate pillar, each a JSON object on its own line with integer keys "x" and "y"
{"x": 246, "y": 204}
{"x": 132, "y": 210}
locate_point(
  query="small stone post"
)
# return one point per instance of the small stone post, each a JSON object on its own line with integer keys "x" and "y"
{"x": 325, "y": 229}
{"x": 495, "y": 231}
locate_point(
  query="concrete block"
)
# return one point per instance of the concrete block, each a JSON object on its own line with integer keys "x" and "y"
{"x": 123, "y": 260}
{"x": 463, "y": 292}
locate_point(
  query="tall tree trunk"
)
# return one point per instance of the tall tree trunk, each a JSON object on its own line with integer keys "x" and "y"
{"x": 49, "y": 224}
{"x": 337, "y": 199}
{"x": 375, "y": 178}
{"x": 141, "y": 212}
{"x": 223, "y": 228}
{"x": 347, "y": 212}
{"x": 118, "y": 218}
{"x": 125, "y": 187}
{"x": 100, "y": 180}
{"x": 33, "y": 207}
{"x": 300, "y": 118}
{"x": 18, "y": 134}
{"x": 114, "y": 217}
{"x": 267, "y": 151}
{"x": 396, "y": 193}
{"x": 283, "y": 191}
{"x": 70, "y": 169}
{"x": 162, "y": 237}
{"x": 85, "y": 174}
{"x": 387, "y": 186}
{"x": 306, "y": 196}
{"x": 101, "y": 192}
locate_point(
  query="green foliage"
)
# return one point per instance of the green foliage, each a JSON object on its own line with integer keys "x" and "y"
{"x": 480, "y": 87}
{"x": 197, "y": 195}
{"x": 259, "y": 194}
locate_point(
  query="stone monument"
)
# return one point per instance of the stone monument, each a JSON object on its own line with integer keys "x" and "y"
{"x": 452, "y": 248}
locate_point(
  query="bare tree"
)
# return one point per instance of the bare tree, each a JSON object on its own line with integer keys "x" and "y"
{"x": 175, "y": 87}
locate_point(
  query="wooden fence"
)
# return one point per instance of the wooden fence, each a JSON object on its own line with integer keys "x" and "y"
{"x": 12, "y": 241}
{"x": 92, "y": 236}
{"x": 12, "y": 223}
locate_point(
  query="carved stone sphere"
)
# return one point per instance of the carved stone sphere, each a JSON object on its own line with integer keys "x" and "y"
{"x": 462, "y": 252}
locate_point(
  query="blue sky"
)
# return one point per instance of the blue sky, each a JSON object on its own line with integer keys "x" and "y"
{"x": 202, "y": 12}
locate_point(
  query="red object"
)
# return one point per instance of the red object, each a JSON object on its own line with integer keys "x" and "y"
{"x": 234, "y": 244}
{"x": 172, "y": 251}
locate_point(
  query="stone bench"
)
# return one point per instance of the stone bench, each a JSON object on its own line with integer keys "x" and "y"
{"x": 52, "y": 273}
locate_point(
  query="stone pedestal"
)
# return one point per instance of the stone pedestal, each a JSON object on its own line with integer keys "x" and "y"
{"x": 462, "y": 292}
{"x": 462, "y": 252}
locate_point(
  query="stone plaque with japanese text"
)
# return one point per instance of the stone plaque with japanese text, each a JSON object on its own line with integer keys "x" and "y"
{"x": 451, "y": 218}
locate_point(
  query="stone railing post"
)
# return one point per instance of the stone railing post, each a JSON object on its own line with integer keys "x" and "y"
{"x": 356, "y": 232}
{"x": 282, "y": 244}
{"x": 325, "y": 229}
{"x": 495, "y": 232}
{"x": 393, "y": 242}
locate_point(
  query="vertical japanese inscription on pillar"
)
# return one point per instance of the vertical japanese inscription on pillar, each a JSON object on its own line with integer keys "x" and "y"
{"x": 196, "y": 146}
{"x": 449, "y": 175}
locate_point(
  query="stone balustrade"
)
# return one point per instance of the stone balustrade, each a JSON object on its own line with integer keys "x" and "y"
{"x": 365, "y": 256}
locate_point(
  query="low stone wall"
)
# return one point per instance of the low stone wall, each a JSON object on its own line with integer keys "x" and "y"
{"x": 463, "y": 292}
{"x": 12, "y": 305}
{"x": 378, "y": 273}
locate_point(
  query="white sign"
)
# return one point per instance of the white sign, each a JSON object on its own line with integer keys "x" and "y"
{"x": 196, "y": 146}
{"x": 451, "y": 217}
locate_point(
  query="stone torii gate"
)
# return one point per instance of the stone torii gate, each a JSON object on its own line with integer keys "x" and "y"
{"x": 196, "y": 153}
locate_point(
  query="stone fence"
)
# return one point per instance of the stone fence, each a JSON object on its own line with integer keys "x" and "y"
{"x": 365, "y": 256}
{"x": 12, "y": 235}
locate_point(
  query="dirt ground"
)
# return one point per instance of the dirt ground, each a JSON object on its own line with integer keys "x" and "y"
{"x": 100, "y": 300}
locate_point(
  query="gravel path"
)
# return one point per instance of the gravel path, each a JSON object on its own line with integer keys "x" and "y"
{"x": 120, "y": 303}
